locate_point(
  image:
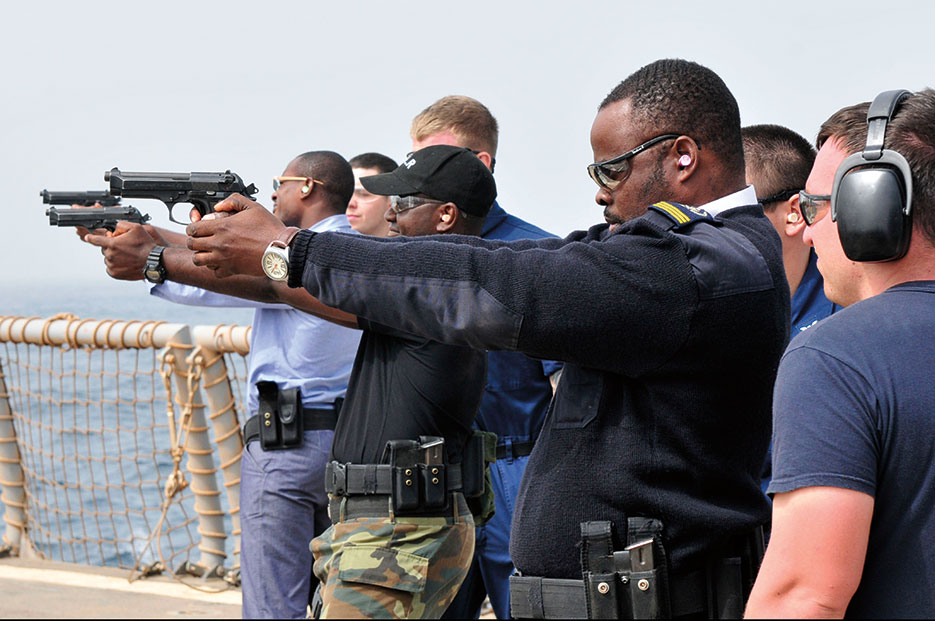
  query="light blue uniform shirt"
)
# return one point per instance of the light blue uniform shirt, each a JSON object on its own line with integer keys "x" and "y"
{"x": 288, "y": 346}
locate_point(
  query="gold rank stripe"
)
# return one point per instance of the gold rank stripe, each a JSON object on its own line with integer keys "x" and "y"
{"x": 673, "y": 211}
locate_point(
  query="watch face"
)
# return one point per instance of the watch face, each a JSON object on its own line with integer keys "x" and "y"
{"x": 153, "y": 275}
{"x": 275, "y": 266}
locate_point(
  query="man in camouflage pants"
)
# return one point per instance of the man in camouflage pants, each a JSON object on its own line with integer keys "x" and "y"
{"x": 377, "y": 561}
{"x": 407, "y": 567}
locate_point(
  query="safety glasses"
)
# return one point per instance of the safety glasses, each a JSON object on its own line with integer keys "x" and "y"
{"x": 811, "y": 205}
{"x": 278, "y": 181}
{"x": 402, "y": 203}
{"x": 611, "y": 173}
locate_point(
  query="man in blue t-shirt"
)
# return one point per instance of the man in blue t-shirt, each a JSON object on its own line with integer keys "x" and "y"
{"x": 778, "y": 162}
{"x": 853, "y": 476}
{"x": 518, "y": 391}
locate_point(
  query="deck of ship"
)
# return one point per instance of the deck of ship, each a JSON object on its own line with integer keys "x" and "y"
{"x": 49, "y": 590}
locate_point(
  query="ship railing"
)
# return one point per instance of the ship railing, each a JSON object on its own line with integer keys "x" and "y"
{"x": 96, "y": 420}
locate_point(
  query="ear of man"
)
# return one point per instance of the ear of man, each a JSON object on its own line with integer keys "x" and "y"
{"x": 486, "y": 158}
{"x": 794, "y": 222}
{"x": 685, "y": 152}
{"x": 448, "y": 218}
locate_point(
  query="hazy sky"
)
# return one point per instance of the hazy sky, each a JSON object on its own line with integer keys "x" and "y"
{"x": 182, "y": 86}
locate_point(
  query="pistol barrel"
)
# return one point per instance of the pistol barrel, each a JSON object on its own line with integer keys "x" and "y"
{"x": 87, "y": 199}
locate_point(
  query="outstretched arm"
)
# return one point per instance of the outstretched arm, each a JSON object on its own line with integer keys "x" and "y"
{"x": 125, "y": 255}
{"x": 617, "y": 304}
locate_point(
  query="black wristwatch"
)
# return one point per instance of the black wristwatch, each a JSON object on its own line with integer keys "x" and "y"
{"x": 154, "y": 271}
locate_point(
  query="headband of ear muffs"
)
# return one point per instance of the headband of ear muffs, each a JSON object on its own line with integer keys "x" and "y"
{"x": 871, "y": 199}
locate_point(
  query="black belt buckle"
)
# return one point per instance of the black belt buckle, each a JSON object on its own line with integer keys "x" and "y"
{"x": 335, "y": 478}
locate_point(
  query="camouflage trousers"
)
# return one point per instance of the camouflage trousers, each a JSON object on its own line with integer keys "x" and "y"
{"x": 393, "y": 567}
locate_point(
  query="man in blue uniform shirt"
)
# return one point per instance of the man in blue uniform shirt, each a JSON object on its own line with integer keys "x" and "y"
{"x": 518, "y": 390}
{"x": 283, "y": 503}
{"x": 778, "y": 162}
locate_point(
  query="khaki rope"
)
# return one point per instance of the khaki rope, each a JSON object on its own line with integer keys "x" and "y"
{"x": 176, "y": 481}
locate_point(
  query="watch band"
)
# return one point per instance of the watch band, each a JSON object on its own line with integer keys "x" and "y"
{"x": 154, "y": 271}
{"x": 286, "y": 236}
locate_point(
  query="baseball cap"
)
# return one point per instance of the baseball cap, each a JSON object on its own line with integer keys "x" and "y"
{"x": 444, "y": 173}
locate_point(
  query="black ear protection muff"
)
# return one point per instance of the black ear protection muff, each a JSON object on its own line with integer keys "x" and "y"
{"x": 871, "y": 199}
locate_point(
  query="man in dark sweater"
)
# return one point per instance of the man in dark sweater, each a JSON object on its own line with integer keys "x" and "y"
{"x": 670, "y": 318}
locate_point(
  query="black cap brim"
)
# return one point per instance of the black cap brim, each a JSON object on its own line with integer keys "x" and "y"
{"x": 388, "y": 184}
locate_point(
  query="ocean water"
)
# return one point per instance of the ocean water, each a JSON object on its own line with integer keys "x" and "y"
{"x": 108, "y": 299}
{"x": 101, "y": 445}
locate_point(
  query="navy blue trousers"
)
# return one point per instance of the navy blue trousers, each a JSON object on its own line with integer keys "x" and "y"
{"x": 491, "y": 568}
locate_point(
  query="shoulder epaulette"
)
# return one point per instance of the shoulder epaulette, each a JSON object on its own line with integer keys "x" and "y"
{"x": 681, "y": 215}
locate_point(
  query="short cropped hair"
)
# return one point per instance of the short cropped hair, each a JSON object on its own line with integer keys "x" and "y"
{"x": 376, "y": 161}
{"x": 465, "y": 117}
{"x": 678, "y": 96}
{"x": 333, "y": 171}
{"x": 778, "y": 157}
{"x": 911, "y": 133}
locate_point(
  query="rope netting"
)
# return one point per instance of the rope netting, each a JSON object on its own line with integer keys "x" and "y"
{"x": 116, "y": 447}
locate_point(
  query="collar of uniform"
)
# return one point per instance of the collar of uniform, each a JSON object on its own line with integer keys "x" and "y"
{"x": 337, "y": 222}
{"x": 495, "y": 216}
{"x": 746, "y": 196}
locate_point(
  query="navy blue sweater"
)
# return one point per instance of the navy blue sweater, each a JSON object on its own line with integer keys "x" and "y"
{"x": 671, "y": 338}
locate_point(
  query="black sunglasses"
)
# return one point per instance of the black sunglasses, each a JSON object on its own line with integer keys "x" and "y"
{"x": 611, "y": 173}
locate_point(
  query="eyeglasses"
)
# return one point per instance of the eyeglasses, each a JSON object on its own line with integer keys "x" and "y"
{"x": 810, "y": 205}
{"x": 611, "y": 173}
{"x": 399, "y": 204}
{"x": 778, "y": 197}
{"x": 278, "y": 181}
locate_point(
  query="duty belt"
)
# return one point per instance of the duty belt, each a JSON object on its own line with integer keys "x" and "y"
{"x": 633, "y": 582}
{"x": 369, "y": 479}
{"x": 557, "y": 598}
{"x": 312, "y": 419}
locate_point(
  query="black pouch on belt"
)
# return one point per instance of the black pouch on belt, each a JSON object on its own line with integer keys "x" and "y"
{"x": 624, "y": 584}
{"x": 404, "y": 456}
{"x": 434, "y": 475}
{"x": 280, "y": 416}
